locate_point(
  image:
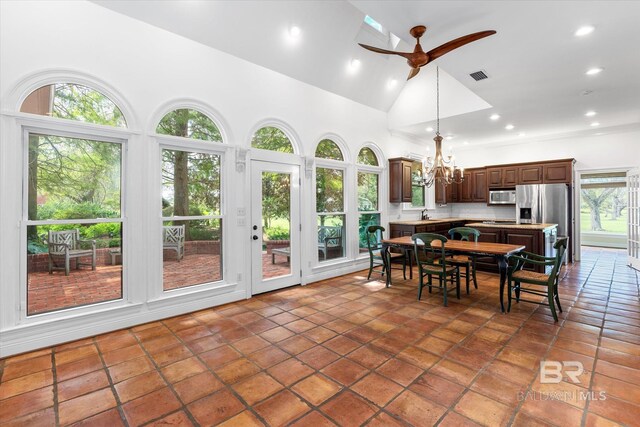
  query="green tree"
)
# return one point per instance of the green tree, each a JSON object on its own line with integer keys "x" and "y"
{"x": 273, "y": 139}
{"x": 595, "y": 200}
{"x": 327, "y": 149}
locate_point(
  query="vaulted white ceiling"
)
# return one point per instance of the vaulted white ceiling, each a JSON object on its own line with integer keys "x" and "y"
{"x": 536, "y": 65}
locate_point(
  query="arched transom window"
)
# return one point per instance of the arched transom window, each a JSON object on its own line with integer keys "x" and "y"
{"x": 189, "y": 123}
{"x": 273, "y": 139}
{"x": 74, "y": 102}
{"x": 327, "y": 149}
{"x": 366, "y": 156}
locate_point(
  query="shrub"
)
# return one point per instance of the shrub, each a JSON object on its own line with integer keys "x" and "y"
{"x": 277, "y": 233}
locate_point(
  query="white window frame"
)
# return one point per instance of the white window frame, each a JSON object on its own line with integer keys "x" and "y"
{"x": 429, "y": 192}
{"x": 79, "y": 130}
{"x": 176, "y": 143}
{"x": 377, "y": 170}
{"x": 337, "y": 165}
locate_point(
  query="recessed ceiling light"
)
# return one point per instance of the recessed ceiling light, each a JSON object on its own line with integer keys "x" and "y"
{"x": 509, "y": 127}
{"x": 595, "y": 124}
{"x": 466, "y": 143}
{"x": 354, "y": 65}
{"x": 594, "y": 71}
{"x": 583, "y": 31}
{"x": 295, "y": 32}
{"x": 448, "y": 137}
{"x": 429, "y": 129}
{"x": 392, "y": 83}
{"x": 494, "y": 116}
{"x": 521, "y": 134}
{"x": 590, "y": 113}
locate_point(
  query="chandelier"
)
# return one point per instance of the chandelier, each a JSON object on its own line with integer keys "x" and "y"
{"x": 438, "y": 169}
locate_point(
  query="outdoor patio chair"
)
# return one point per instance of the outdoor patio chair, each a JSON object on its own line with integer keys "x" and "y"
{"x": 173, "y": 239}
{"x": 329, "y": 237}
{"x": 67, "y": 244}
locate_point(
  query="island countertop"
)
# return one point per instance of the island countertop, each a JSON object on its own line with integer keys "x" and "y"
{"x": 541, "y": 227}
{"x": 476, "y": 222}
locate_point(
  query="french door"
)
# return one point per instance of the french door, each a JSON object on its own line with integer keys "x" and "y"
{"x": 633, "y": 188}
{"x": 275, "y": 226}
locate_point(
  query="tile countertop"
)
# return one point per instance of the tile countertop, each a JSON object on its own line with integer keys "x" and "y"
{"x": 497, "y": 224}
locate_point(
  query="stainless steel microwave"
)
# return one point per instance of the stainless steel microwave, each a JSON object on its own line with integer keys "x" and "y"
{"x": 502, "y": 197}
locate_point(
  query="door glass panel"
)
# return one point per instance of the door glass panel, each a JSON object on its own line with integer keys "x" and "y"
{"x": 276, "y": 224}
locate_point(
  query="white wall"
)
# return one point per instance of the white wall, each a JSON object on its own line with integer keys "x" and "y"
{"x": 147, "y": 70}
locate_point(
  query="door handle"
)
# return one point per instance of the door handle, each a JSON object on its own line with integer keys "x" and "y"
{"x": 255, "y": 237}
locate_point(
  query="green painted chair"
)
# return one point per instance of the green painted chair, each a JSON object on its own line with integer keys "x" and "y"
{"x": 541, "y": 284}
{"x": 433, "y": 261}
{"x": 374, "y": 245}
{"x": 468, "y": 262}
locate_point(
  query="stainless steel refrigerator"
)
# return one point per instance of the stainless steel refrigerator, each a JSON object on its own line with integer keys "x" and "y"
{"x": 544, "y": 204}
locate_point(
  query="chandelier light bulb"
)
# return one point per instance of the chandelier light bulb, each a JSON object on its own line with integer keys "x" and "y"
{"x": 295, "y": 32}
{"x": 583, "y": 31}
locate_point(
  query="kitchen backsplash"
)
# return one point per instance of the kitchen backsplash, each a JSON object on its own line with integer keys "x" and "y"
{"x": 455, "y": 210}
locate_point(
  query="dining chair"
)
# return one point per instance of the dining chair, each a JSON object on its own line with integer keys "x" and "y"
{"x": 374, "y": 245}
{"x": 433, "y": 261}
{"x": 466, "y": 261}
{"x": 543, "y": 284}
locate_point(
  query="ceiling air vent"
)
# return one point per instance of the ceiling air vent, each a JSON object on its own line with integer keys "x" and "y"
{"x": 479, "y": 75}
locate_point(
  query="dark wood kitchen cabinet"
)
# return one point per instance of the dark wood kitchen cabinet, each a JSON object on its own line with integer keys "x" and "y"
{"x": 502, "y": 177}
{"x": 557, "y": 173}
{"x": 532, "y": 240}
{"x": 530, "y": 174}
{"x": 479, "y": 185}
{"x": 400, "y": 180}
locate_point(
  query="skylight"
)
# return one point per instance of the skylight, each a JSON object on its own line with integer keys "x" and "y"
{"x": 373, "y": 24}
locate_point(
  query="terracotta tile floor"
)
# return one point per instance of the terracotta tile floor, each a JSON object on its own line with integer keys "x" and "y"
{"x": 47, "y": 292}
{"x": 347, "y": 351}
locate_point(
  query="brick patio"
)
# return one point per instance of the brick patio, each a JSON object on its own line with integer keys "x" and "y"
{"x": 48, "y": 292}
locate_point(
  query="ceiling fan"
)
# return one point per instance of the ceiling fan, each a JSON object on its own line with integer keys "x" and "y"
{"x": 419, "y": 58}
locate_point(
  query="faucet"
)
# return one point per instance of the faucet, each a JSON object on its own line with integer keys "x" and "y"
{"x": 424, "y": 215}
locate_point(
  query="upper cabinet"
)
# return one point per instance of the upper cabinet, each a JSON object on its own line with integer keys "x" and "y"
{"x": 548, "y": 172}
{"x": 400, "y": 180}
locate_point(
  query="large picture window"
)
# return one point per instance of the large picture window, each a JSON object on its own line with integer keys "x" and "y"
{"x": 74, "y": 213}
{"x": 74, "y": 224}
{"x": 191, "y": 204}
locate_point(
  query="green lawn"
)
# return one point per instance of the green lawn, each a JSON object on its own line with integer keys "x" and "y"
{"x": 609, "y": 225}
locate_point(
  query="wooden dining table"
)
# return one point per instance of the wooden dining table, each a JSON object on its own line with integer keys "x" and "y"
{"x": 500, "y": 251}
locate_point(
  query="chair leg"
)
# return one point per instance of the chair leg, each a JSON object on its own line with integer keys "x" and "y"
{"x": 466, "y": 275}
{"x": 552, "y": 305}
{"x": 444, "y": 290}
{"x": 517, "y": 291}
{"x": 558, "y": 300}
{"x": 50, "y": 265}
{"x": 67, "y": 266}
{"x": 458, "y": 283}
{"x": 509, "y": 294}
{"x": 370, "y": 268}
{"x": 404, "y": 268}
{"x": 473, "y": 270}
{"x": 430, "y": 283}
{"x": 420, "y": 286}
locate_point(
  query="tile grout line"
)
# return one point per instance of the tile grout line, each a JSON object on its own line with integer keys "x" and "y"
{"x": 112, "y": 386}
